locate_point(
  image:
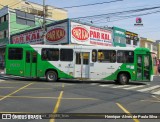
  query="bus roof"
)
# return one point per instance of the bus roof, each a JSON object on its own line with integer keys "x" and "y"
{"x": 78, "y": 47}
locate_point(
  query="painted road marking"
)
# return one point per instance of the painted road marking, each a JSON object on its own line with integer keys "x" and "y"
{"x": 156, "y": 97}
{"x": 2, "y": 80}
{"x": 126, "y": 111}
{"x": 148, "y": 89}
{"x": 15, "y": 91}
{"x": 34, "y": 97}
{"x": 134, "y": 87}
{"x": 120, "y": 86}
{"x": 12, "y": 82}
{"x": 110, "y": 85}
{"x": 131, "y": 87}
{"x": 57, "y": 105}
{"x": 107, "y": 85}
{"x": 7, "y": 87}
{"x": 58, "y": 102}
{"x": 93, "y": 84}
{"x": 155, "y": 100}
{"x": 157, "y": 92}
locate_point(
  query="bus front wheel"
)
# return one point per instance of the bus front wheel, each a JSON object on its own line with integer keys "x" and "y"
{"x": 51, "y": 76}
{"x": 123, "y": 79}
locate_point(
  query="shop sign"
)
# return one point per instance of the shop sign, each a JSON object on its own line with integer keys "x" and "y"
{"x": 32, "y": 37}
{"x": 57, "y": 34}
{"x": 131, "y": 36}
{"x": 120, "y": 32}
{"x": 80, "y": 33}
{"x": 88, "y": 35}
{"x": 138, "y": 22}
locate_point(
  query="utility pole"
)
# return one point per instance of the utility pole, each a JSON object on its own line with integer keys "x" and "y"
{"x": 44, "y": 22}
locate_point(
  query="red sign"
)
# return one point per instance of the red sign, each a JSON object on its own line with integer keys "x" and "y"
{"x": 80, "y": 33}
{"x": 55, "y": 34}
{"x": 89, "y": 35}
{"x": 33, "y": 37}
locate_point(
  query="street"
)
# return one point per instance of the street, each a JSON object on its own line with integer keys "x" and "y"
{"x": 64, "y": 96}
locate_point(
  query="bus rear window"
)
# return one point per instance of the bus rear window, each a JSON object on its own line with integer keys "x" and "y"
{"x": 15, "y": 53}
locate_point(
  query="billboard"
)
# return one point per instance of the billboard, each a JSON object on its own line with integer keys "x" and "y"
{"x": 31, "y": 37}
{"x": 89, "y": 35}
{"x": 56, "y": 34}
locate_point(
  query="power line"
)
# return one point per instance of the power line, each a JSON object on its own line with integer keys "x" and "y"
{"x": 122, "y": 12}
{"x": 93, "y": 4}
{"x": 132, "y": 16}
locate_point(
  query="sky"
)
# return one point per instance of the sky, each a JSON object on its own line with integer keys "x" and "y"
{"x": 151, "y": 22}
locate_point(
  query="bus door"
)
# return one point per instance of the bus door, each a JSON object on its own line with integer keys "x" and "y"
{"x": 31, "y": 63}
{"x": 82, "y": 64}
{"x": 143, "y": 67}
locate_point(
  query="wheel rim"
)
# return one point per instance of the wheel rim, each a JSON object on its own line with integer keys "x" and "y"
{"x": 51, "y": 76}
{"x": 124, "y": 78}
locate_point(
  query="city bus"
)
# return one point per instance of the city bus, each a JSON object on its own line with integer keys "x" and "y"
{"x": 54, "y": 62}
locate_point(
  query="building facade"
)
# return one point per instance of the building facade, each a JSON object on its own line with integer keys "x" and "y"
{"x": 36, "y": 9}
{"x": 8, "y": 19}
{"x": 158, "y": 49}
{"x": 119, "y": 37}
{"x": 132, "y": 39}
{"x": 152, "y": 45}
{"x": 66, "y": 32}
{"x": 9, "y": 26}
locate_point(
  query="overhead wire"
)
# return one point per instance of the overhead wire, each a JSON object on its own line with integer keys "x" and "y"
{"x": 92, "y": 4}
{"x": 121, "y": 12}
{"x": 131, "y": 16}
{"x": 108, "y": 15}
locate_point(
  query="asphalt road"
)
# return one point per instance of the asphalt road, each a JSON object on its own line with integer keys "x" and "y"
{"x": 31, "y": 96}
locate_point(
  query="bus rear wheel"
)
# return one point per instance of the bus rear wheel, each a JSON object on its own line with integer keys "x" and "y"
{"x": 123, "y": 79}
{"x": 51, "y": 76}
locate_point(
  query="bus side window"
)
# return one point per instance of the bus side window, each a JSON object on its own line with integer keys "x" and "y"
{"x": 94, "y": 55}
{"x": 66, "y": 54}
{"x": 27, "y": 57}
{"x": 15, "y": 53}
{"x": 107, "y": 56}
{"x": 54, "y": 55}
{"x": 44, "y": 54}
{"x": 113, "y": 57}
{"x": 125, "y": 56}
{"x": 50, "y": 54}
{"x": 34, "y": 57}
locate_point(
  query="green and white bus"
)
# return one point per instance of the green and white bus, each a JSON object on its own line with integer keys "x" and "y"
{"x": 121, "y": 64}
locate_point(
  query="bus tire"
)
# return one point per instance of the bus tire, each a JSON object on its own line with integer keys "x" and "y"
{"x": 51, "y": 76}
{"x": 116, "y": 81}
{"x": 123, "y": 79}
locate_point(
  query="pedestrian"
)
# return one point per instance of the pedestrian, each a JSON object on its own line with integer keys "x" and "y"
{"x": 159, "y": 69}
